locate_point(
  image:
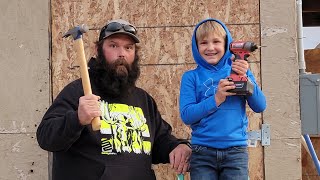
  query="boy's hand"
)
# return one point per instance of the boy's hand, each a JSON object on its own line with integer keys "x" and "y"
{"x": 221, "y": 93}
{"x": 240, "y": 66}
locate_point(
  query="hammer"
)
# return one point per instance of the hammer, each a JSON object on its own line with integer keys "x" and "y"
{"x": 76, "y": 33}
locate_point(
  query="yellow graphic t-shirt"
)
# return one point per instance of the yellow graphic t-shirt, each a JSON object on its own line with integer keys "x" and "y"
{"x": 126, "y": 129}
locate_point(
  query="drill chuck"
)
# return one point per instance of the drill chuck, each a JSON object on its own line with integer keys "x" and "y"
{"x": 250, "y": 46}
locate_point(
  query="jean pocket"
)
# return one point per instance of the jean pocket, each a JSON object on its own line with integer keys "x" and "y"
{"x": 197, "y": 148}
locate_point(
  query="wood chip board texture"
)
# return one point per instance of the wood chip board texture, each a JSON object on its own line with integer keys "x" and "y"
{"x": 165, "y": 29}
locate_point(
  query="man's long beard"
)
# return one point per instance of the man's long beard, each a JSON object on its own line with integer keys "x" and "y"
{"x": 119, "y": 70}
{"x": 114, "y": 79}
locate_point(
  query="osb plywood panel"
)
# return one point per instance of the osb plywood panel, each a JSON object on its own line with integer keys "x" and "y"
{"x": 172, "y": 45}
{"x": 163, "y": 84}
{"x": 245, "y": 32}
{"x": 312, "y": 58}
{"x": 64, "y": 59}
{"x": 144, "y": 14}
{"x": 255, "y": 69}
{"x": 309, "y": 171}
{"x": 155, "y": 13}
{"x": 21, "y": 158}
{"x": 165, "y": 29}
{"x": 164, "y": 172}
{"x": 166, "y": 45}
{"x": 162, "y": 45}
{"x": 256, "y": 168}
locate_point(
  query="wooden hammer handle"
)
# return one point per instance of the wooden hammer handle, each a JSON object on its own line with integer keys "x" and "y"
{"x": 85, "y": 77}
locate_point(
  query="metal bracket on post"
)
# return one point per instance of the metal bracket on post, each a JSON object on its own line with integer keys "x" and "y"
{"x": 262, "y": 135}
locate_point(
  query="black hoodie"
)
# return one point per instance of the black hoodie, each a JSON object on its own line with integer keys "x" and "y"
{"x": 133, "y": 136}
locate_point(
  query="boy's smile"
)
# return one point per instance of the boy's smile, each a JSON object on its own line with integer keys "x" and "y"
{"x": 211, "y": 48}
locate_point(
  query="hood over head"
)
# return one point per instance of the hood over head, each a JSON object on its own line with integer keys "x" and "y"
{"x": 226, "y": 58}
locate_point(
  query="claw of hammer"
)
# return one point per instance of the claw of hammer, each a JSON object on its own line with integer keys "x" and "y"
{"x": 77, "y": 31}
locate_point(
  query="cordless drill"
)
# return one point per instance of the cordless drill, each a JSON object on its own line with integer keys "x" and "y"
{"x": 241, "y": 50}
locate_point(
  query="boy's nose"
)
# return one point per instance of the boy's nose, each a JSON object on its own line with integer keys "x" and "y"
{"x": 210, "y": 46}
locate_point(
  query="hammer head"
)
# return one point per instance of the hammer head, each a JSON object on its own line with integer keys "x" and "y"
{"x": 76, "y": 32}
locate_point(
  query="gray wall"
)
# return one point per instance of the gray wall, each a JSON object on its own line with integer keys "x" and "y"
{"x": 24, "y": 92}
{"x": 280, "y": 83}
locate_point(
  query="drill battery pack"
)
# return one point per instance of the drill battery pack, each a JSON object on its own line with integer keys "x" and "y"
{"x": 244, "y": 87}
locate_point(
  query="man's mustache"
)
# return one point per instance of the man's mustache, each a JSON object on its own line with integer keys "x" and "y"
{"x": 121, "y": 61}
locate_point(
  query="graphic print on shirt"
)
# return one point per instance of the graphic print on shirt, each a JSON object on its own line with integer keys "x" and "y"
{"x": 210, "y": 87}
{"x": 126, "y": 129}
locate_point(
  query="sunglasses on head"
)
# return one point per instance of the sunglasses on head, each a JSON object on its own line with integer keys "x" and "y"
{"x": 115, "y": 26}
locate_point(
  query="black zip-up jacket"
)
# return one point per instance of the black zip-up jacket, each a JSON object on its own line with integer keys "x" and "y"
{"x": 133, "y": 137}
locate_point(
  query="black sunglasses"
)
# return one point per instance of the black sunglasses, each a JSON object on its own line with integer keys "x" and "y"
{"x": 115, "y": 26}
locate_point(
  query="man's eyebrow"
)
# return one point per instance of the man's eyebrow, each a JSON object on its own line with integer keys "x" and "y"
{"x": 112, "y": 41}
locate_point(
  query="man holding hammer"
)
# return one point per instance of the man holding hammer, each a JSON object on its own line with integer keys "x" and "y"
{"x": 132, "y": 136}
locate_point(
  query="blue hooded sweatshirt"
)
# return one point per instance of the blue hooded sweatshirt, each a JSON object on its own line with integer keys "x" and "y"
{"x": 215, "y": 126}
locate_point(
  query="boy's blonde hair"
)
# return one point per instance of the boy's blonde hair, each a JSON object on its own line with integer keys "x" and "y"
{"x": 210, "y": 27}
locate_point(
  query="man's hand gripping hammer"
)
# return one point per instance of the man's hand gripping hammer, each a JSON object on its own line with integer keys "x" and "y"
{"x": 76, "y": 33}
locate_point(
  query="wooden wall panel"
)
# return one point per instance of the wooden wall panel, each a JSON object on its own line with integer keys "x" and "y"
{"x": 256, "y": 164}
{"x": 162, "y": 45}
{"x": 163, "y": 83}
{"x": 165, "y": 29}
{"x": 309, "y": 171}
{"x": 312, "y": 58}
{"x": 155, "y": 13}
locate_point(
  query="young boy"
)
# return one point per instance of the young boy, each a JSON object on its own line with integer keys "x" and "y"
{"x": 217, "y": 117}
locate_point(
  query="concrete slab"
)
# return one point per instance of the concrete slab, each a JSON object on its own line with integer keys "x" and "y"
{"x": 22, "y": 158}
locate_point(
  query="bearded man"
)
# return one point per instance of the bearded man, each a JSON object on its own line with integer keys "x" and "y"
{"x": 133, "y": 135}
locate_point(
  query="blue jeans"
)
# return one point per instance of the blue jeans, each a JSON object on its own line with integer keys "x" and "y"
{"x": 219, "y": 164}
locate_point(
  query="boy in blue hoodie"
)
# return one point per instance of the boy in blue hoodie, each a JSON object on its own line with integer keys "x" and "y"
{"x": 217, "y": 117}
